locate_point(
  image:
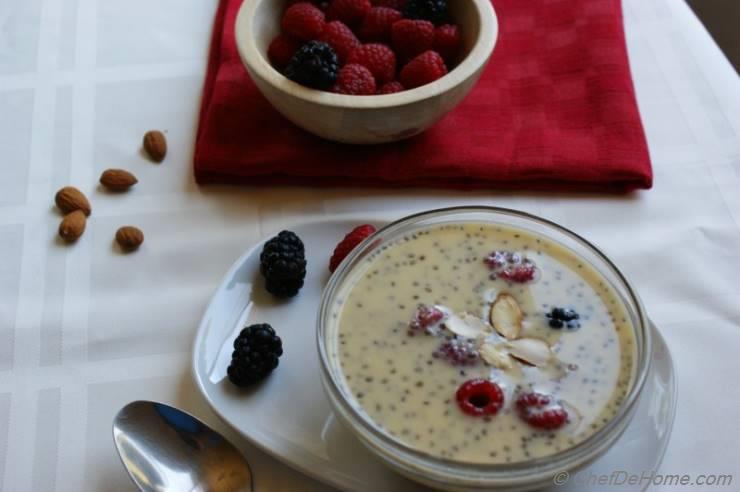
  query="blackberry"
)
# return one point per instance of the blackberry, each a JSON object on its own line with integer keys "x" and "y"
{"x": 256, "y": 353}
{"x": 560, "y": 317}
{"x": 434, "y": 11}
{"x": 283, "y": 264}
{"x": 555, "y": 323}
{"x": 315, "y": 65}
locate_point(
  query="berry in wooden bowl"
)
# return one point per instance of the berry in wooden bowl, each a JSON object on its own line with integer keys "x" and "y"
{"x": 295, "y": 53}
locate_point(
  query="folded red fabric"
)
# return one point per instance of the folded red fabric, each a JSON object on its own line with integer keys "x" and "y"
{"x": 555, "y": 109}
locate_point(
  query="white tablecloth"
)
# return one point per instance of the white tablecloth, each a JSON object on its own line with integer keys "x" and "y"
{"x": 84, "y": 329}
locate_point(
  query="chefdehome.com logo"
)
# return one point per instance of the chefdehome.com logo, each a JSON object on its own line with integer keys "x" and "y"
{"x": 622, "y": 478}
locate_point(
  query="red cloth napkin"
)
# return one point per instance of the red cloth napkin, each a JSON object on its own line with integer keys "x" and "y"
{"x": 555, "y": 109}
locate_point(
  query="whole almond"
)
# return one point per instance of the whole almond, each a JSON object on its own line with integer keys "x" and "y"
{"x": 69, "y": 199}
{"x": 155, "y": 145}
{"x": 117, "y": 179}
{"x": 72, "y": 226}
{"x": 129, "y": 237}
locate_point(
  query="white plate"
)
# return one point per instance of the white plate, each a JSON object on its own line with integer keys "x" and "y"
{"x": 288, "y": 415}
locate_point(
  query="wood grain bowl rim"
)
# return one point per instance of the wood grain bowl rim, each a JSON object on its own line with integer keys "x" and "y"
{"x": 471, "y": 64}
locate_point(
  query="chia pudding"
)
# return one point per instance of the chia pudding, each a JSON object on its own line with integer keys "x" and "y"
{"x": 481, "y": 343}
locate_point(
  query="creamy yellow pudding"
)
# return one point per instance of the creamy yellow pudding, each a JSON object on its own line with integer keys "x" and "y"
{"x": 481, "y": 344}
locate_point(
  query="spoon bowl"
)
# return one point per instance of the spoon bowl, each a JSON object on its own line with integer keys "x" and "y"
{"x": 163, "y": 448}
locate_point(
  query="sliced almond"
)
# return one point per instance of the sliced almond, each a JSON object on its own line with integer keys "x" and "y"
{"x": 477, "y": 323}
{"x": 496, "y": 356}
{"x": 506, "y": 316}
{"x": 466, "y": 325}
{"x": 531, "y": 350}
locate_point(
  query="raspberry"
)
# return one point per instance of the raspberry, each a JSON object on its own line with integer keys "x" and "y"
{"x": 511, "y": 266}
{"x": 283, "y": 264}
{"x": 426, "y": 319}
{"x": 303, "y": 21}
{"x": 320, "y": 4}
{"x": 559, "y": 317}
{"x": 394, "y": 4}
{"x": 314, "y": 65}
{"x": 498, "y": 259}
{"x": 350, "y": 12}
{"x": 423, "y": 69}
{"x": 434, "y": 11}
{"x": 340, "y": 37}
{"x": 256, "y": 353}
{"x": 281, "y": 50}
{"x": 480, "y": 397}
{"x": 350, "y": 241}
{"x": 355, "y": 80}
{"x": 412, "y": 37}
{"x": 541, "y": 411}
{"x": 378, "y": 58}
{"x": 391, "y": 88}
{"x": 521, "y": 273}
{"x": 458, "y": 351}
{"x": 376, "y": 26}
{"x": 447, "y": 41}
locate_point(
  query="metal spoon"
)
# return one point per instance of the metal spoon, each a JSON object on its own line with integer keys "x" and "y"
{"x": 166, "y": 449}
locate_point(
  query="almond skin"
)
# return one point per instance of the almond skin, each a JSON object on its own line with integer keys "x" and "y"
{"x": 155, "y": 145}
{"x": 72, "y": 226}
{"x": 117, "y": 179}
{"x": 129, "y": 238}
{"x": 69, "y": 199}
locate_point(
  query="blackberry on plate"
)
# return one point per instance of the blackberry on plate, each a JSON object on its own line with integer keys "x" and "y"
{"x": 434, "y": 11}
{"x": 315, "y": 65}
{"x": 283, "y": 264}
{"x": 256, "y": 353}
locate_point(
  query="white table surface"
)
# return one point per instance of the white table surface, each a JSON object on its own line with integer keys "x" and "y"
{"x": 84, "y": 329}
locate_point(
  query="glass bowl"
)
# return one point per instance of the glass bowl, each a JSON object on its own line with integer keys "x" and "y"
{"x": 455, "y": 475}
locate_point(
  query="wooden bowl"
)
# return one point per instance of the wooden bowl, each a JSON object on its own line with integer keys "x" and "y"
{"x": 365, "y": 119}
